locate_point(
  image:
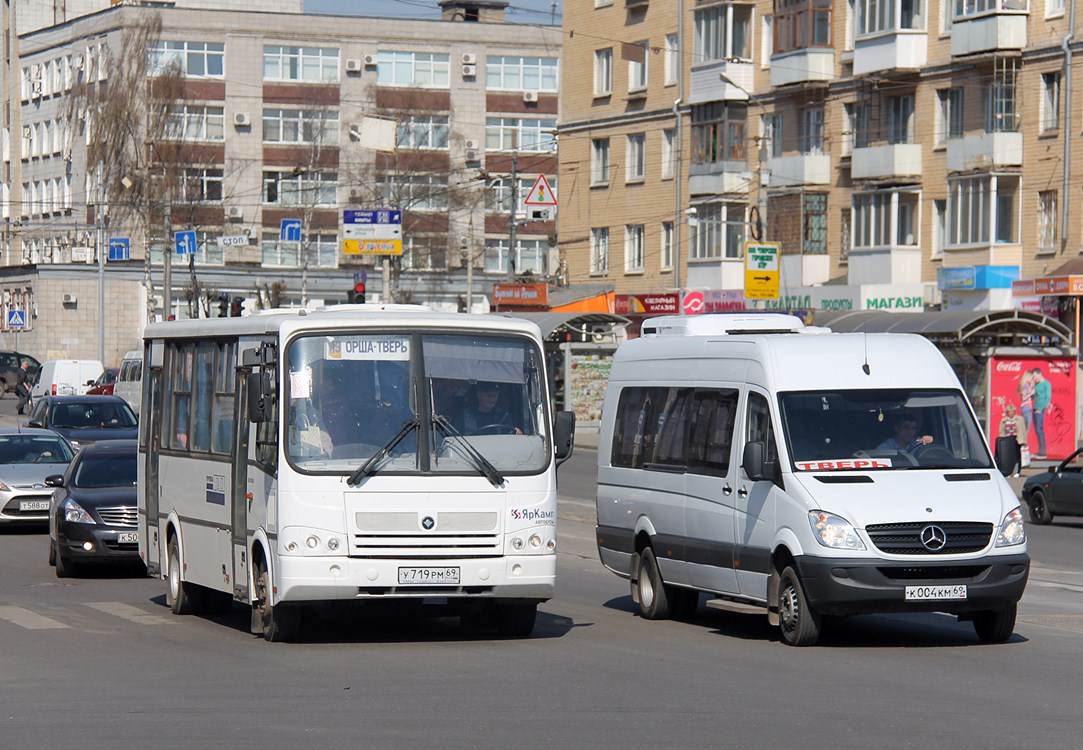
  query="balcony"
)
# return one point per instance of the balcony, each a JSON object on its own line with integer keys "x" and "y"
{"x": 721, "y": 80}
{"x": 897, "y": 49}
{"x": 733, "y": 178}
{"x": 806, "y": 65}
{"x": 800, "y": 169}
{"x": 985, "y": 151}
{"x": 1001, "y": 25}
{"x": 885, "y": 162}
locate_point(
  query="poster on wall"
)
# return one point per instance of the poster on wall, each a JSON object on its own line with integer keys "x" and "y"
{"x": 590, "y": 374}
{"x": 1043, "y": 391}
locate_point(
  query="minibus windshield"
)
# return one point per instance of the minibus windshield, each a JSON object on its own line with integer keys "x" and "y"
{"x": 882, "y": 429}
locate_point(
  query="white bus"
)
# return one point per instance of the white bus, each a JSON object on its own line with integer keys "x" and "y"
{"x": 354, "y": 453}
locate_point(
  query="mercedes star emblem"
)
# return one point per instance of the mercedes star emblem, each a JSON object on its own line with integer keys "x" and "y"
{"x": 934, "y": 538}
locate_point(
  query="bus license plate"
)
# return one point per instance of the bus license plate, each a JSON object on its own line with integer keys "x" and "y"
{"x": 422, "y": 576}
{"x": 128, "y": 537}
{"x": 935, "y": 593}
{"x": 34, "y": 505}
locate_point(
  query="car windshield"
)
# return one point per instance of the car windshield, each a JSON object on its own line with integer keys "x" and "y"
{"x": 881, "y": 429}
{"x": 92, "y": 414}
{"x": 33, "y": 449}
{"x": 105, "y": 470}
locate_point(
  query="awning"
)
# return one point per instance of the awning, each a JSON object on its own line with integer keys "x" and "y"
{"x": 554, "y": 325}
{"x": 971, "y": 328}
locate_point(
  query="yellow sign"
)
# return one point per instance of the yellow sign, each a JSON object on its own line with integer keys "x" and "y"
{"x": 372, "y": 247}
{"x": 761, "y": 270}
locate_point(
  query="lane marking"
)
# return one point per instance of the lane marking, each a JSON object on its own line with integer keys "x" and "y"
{"x": 24, "y": 618}
{"x": 129, "y": 613}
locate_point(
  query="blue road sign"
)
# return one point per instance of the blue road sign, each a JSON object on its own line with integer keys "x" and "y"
{"x": 120, "y": 248}
{"x": 290, "y": 230}
{"x": 185, "y": 242}
{"x": 372, "y": 216}
{"x": 16, "y": 318}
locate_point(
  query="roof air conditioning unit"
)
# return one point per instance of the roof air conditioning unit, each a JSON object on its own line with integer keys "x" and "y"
{"x": 469, "y": 71}
{"x": 69, "y": 298}
{"x": 471, "y": 144}
{"x": 241, "y": 119}
{"x": 236, "y": 213}
{"x": 530, "y": 96}
{"x": 370, "y": 61}
{"x": 354, "y": 65}
{"x": 469, "y": 58}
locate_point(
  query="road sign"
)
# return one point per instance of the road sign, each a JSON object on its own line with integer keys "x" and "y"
{"x": 120, "y": 248}
{"x": 290, "y": 230}
{"x": 372, "y": 247}
{"x": 16, "y": 318}
{"x": 372, "y": 232}
{"x": 540, "y": 193}
{"x": 233, "y": 240}
{"x": 185, "y": 242}
{"x": 761, "y": 270}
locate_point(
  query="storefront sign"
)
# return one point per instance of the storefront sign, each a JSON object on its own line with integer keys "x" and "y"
{"x": 649, "y": 304}
{"x": 722, "y": 300}
{"x": 522, "y": 295}
{"x": 908, "y": 303}
{"x": 1012, "y": 380}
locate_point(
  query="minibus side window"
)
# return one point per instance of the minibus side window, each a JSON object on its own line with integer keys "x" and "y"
{"x": 758, "y": 428}
{"x": 634, "y": 432}
{"x": 710, "y": 444}
{"x": 673, "y": 424}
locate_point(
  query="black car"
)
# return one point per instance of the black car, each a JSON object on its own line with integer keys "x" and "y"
{"x": 85, "y": 419}
{"x": 1057, "y": 492}
{"x": 93, "y": 518}
{"x": 9, "y": 370}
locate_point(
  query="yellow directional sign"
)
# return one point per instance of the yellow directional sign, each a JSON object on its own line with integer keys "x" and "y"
{"x": 372, "y": 247}
{"x": 761, "y": 270}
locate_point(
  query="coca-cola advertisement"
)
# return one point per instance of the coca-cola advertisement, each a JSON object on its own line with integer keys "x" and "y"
{"x": 1035, "y": 396}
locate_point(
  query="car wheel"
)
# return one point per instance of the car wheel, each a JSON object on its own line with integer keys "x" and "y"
{"x": 179, "y": 594}
{"x": 516, "y": 619}
{"x": 65, "y": 568}
{"x": 798, "y": 622}
{"x": 995, "y": 627}
{"x": 277, "y": 623}
{"x": 653, "y": 594}
{"x": 1039, "y": 508}
{"x": 52, "y": 553}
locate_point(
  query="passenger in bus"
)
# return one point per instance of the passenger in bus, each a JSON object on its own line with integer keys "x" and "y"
{"x": 485, "y": 416}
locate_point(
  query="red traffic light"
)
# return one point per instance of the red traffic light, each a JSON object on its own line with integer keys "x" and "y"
{"x": 359, "y": 287}
{"x": 357, "y": 294}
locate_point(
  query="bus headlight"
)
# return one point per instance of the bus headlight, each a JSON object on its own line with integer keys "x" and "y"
{"x": 1012, "y": 530}
{"x": 834, "y": 531}
{"x": 517, "y": 543}
{"x": 538, "y": 541}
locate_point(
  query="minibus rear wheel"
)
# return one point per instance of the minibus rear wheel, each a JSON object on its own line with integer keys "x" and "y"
{"x": 653, "y": 594}
{"x": 798, "y": 622}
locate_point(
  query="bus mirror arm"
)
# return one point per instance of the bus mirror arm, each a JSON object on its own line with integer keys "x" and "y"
{"x": 260, "y": 397}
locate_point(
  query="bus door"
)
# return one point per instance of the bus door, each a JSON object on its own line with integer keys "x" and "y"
{"x": 238, "y": 494}
{"x": 152, "y": 416}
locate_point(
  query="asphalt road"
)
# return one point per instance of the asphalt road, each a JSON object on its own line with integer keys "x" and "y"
{"x": 100, "y": 662}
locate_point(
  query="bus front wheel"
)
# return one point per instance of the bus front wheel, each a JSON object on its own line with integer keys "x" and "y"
{"x": 180, "y": 595}
{"x": 275, "y": 623}
{"x": 516, "y": 619}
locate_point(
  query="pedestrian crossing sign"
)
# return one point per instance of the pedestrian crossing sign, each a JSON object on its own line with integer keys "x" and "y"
{"x": 541, "y": 194}
{"x": 16, "y": 318}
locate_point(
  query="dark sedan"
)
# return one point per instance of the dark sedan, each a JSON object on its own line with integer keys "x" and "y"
{"x": 85, "y": 419}
{"x": 1057, "y": 492}
{"x": 93, "y": 517}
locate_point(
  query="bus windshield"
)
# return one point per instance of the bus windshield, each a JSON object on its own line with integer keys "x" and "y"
{"x": 881, "y": 429}
{"x": 432, "y": 402}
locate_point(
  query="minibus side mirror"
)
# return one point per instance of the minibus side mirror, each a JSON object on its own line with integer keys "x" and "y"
{"x": 563, "y": 435}
{"x": 752, "y": 460}
{"x": 1006, "y": 453}
{"x": 259, "y": 396}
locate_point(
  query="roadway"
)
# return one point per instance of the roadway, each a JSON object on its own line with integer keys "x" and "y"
{"x": 99, "y": 661}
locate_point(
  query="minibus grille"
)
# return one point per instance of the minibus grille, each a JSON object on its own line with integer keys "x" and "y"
{"x": 959, "y": 537}
{"x": 404, "y": 535}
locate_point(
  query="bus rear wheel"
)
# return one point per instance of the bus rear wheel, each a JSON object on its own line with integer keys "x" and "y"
{"x": 277, "y": 623}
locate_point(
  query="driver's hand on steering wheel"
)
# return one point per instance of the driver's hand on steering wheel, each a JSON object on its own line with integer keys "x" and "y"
{"x": 924, "y": 440}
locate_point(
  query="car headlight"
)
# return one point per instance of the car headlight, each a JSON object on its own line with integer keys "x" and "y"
{"x": 834, "y": 531}
{"x": 74, "y": 513}
{"x": 1012, "y": 530}
{"x": 4, "y": 487}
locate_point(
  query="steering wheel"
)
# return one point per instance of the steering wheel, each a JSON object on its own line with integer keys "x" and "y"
{"x": 933, "y": 453}
{"x": 495, "y": 429}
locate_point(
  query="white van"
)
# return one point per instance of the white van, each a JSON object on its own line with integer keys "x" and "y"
{"x": 65, "y": 377}
{"x": 129, "y": 384}
{"x": 802, "y": 473}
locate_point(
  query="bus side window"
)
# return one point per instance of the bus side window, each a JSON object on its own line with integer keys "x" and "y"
{"x": 712, "y": 432}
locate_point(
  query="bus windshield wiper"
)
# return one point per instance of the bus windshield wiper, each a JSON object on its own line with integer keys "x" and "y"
{"x": 481, "y": 463}
{"x": 385, "y": 451}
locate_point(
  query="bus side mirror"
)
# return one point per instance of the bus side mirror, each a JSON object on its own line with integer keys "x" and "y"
{"x": 563, "y": 435}
{"x": 1006, "y": 454}
{"x": 259, "y": 397}
{"x": 752, "y": 461}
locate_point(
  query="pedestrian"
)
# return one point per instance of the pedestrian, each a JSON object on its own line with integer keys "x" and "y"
{"x": 1012, "y": 425}
{"x": 22, "y": 384}
{"x": 1043, "y": 395}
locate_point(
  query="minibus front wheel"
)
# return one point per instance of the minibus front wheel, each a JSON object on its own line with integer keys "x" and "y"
{"x": 799, "y": 623}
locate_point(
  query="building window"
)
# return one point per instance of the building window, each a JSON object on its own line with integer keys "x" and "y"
{"x": 316, "y": 64}
{"x": 811, "y": 134}
{"x": 599, "y": 250}
{"x": 718, "y": 132}
{"x": 799, "y": 24}
{"x": 940, "y": 227}
{"x": 719, "y": 231}
{"x": 300, "y": 126}
{"x": 722, "y": 32}
{"x": 1050, "y": 114}
{"x": 874, "y": 16}
{"x": 846, "y": 236}
{"x": 772, "y": 134}
{"x": 413, "y": 192}
{"x": 901, "y": 119}
{"x": 422, "y": 132}
{"x": 306, "y": 189}
{"x": 814, "y": 214}
{"x": 599, "y": 161}
{"x": 510, "y": 73}
{"x": 949, "y": 114}
{"x": 667, "y": 246}
{"x": 1047, "y": 221}
{"x": 886, "y": 218}
{"x": 195, "y": 122}
{"x": 201, "y": 185}
{"x": 633, "y": 248}
{"x": 520, "y": 134}
{"x": 983, "y": 207}
{"x": 603, "y": 72}
{"x": 419, "y": 69}
{"x": 637, "y": 68}
{"x": 672, "y": 60}
{"x": 530, "y": 256}
{"x": 668, "y": 153}
{"x": 192, "y": 59}
{"x": 424, "y": 253}
{"x": 1053, "y": 8}
{"x": 1000, "y": 111}
{"x": 636, "y": 166}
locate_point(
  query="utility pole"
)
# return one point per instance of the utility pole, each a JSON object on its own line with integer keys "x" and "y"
{"x": 12, "y": 115}
{"x": 99, "y": 217}
{"x": 514, "y": 207}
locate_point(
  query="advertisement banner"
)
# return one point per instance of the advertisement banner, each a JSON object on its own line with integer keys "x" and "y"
{"x": 652, "y": 304}
{"x": 1043, "y": 391}
{"x": 523, "y": 295}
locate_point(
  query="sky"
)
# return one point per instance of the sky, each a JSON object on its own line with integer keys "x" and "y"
{"x": 519, "y": 11}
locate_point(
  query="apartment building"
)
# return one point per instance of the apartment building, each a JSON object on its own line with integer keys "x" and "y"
{"x": 903, "y": 152}
{"x": 277, "y": 116}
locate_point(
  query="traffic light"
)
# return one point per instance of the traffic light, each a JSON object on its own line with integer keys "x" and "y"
{"x": 357, "y": 294}
{"x": 223, "y": 306}
{"x": 236, "y": 306}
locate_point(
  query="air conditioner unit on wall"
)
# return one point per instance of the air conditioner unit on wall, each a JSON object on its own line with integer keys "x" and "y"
{"x": 472, "y": 155}
{"x": 354, "y": 66}
{"x": 471, "y": 144}
{"x": 69, "y": 298}
{"x": 370, "y": 61}
{"x": 469, "y": 71}
{"x": 236, "y": 213}
{"x": 469, "y": 58}
{"x": 530, "y": 96}
{"x": 242, "y": 120}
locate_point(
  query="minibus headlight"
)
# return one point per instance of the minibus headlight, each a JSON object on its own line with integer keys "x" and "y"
{"x": 1012, "y": 531}
{"x": 834, "y": 531}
